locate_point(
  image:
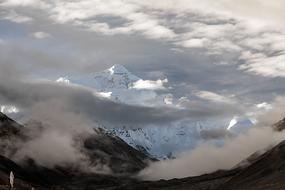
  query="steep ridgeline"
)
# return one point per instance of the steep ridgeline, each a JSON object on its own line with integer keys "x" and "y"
{"x": 8, "y": 127}
{"x": 266, "y": 173}
{"x": 113, "y": 151}
{"x": 280, "y": 126}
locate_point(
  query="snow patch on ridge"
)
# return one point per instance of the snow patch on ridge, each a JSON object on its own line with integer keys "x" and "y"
{"x": 232, "y": 123}
{"x": 63, "y": 80}
{"x": 8, "y": 109}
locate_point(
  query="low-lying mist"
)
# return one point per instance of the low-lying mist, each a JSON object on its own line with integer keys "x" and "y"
{"x": 207, "y": 158}
{"x": 53, "y": 136}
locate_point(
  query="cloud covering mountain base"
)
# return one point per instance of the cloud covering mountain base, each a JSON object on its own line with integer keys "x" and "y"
{"x": 207, "y": 158}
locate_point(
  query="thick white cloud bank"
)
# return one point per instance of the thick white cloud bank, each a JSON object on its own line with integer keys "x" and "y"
{"x": 149, "y": 84}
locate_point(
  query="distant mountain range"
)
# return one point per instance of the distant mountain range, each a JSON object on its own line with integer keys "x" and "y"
{"x": 116, "y": 83}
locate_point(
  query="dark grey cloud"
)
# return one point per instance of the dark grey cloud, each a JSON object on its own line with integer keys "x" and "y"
{"x": 82, "y": 101}
{"x": 216, "y": 134}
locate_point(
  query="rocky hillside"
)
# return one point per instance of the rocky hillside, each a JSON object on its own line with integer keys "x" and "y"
{"x": 280, "y": 125}
{"x": 8, "y": 126}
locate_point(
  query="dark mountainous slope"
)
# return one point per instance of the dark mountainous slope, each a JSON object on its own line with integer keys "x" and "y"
{"x": 8, "y": 127}
{"x": 111, "y": 149}
{"x": 99, "y": 146}
{"x": 280, "y": 126}
{"x": 267, "y": 171}
{"x": 204, "y": 182}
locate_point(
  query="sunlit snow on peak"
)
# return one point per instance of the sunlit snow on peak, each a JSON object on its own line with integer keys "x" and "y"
{"x": 232, "y": 123}
{"x": 8, "y": 109}
{"x": 117, "y": 69}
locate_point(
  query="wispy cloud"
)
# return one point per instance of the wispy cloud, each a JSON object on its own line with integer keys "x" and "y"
{"x": 41, "y": 35}
{"x": 211, "y": 96}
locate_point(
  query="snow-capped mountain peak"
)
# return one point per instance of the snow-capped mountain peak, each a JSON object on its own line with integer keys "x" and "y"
{"x": 118, "y": 84}
{"x": 118, "y": 69}
{"x": 116, "y": 77}
{"x": 239, "y": 124}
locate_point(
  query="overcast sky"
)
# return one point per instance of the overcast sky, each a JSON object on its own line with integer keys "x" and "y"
{"x": 224, "y": 53}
